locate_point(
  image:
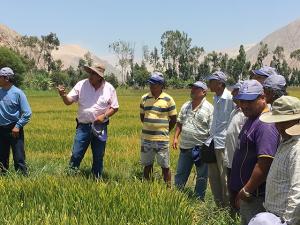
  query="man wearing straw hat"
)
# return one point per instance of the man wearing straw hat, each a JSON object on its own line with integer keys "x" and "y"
{"x": 283, "y": 181}
{"x": 97, "y": 101}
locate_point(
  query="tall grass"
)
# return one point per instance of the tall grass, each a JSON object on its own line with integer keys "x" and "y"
{"x": 50, "y": 196}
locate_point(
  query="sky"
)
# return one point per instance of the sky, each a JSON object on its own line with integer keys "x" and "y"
{"x": 213, "y": 24}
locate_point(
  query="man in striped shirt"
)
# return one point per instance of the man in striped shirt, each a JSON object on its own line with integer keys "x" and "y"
{"x": 193, "y": 124}
{"x": 158, "y": 115}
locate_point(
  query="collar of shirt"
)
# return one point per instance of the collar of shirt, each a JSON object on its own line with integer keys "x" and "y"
{"x": 99, "y": 88}
{"x": 162, "y": 95}
{"x": 198, "y": 106}
{"x": 225, "y": 95}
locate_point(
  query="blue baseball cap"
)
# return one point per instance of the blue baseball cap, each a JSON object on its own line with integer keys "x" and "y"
{"x": 218, "y": 75}
{"x": 265, "y": 71}
{"x": 156, "y": 78}
{"x": 250, "y": 90}
{"x": 199, "y": 84}
{"x": 6, "y": 72}
{"x": 238, "y": 85}
{"x": 275, "y": 82}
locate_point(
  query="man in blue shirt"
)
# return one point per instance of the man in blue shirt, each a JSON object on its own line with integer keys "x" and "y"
{"x": 223, "y": 106}
{"x": 15, "y": 113}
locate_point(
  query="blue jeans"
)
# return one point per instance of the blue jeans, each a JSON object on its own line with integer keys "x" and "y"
{"x": 83, "y": 138}
{"x": 184, "y": 167}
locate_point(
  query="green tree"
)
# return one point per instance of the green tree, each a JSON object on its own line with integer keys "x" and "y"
{"x": 295, "y": 55}
{"x": 140, "y": 75}
{"x": 154, "y": 59}
{"x": 124, "y": 52}
{"x": 88, "y": 58}
{"x": 9, "y": 58}
{"x": 204, "y": 69}
{"x": 262, "y": 54}
{"x": 46, "y": 45}
{"x": 174, "y": 47}
{"x": 112, "y": 79}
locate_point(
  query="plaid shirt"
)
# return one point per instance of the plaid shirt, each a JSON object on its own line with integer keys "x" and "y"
{"x": 283, "y": 182}
{"x": 195, "y": 123}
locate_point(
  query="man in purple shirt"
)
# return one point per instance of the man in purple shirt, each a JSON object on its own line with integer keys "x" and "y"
{"x": 253, "y": 158}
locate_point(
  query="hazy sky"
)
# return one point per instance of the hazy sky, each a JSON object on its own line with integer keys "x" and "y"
{"x": 213, "y": 24}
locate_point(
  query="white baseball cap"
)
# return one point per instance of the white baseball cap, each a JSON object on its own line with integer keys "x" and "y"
{"x": 266, "y": 218}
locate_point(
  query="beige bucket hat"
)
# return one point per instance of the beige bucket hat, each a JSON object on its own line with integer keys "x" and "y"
{"x": 99, "y": 69}
{"x": 285, "y": 108}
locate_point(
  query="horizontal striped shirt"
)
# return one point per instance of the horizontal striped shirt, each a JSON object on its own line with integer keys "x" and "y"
{"x": 156, "y": 116}
{"x": 283, "y": 182}
{"x": 195, "y": 123}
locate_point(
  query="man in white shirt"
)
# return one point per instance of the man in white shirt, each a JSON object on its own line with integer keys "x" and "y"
{"x": 236, "y": 122}
{"x": 97, "y": 101}
{"x": 223, "y": 106}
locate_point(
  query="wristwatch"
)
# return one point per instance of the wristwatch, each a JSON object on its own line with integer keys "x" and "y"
{"x": 247, "y": 194}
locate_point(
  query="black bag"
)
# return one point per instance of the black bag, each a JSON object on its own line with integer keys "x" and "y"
{"x": 208, "y": 153}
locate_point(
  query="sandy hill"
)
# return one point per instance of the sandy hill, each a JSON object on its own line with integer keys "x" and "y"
{"x": 69, "y": 54}
{"x": 288, "y": 37}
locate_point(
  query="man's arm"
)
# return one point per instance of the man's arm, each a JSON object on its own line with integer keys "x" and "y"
{"x": 62, "y": 92}
{"x": 25, "y": 115}
{"x": 258, "y": 176}
{"x": 109, "y": 113}
{"x": 176, "y": 135}
{"x": 172, "y": 122}
{"x": 142, "y": 116}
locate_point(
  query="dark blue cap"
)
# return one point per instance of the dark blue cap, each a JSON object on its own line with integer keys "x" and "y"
{"x": 250, "y": 90}
{"x": 156, "y": 78}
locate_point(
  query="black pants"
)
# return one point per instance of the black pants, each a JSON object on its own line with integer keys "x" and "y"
{"x": 7, "y": 141}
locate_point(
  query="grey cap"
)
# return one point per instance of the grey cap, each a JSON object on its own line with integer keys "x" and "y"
{"x": 218, "y": 75}
{"x": 250, "y": 90}
{"x": 276, "y": 82}
{"x": 6, "y": 72}
{"x": 265, "y": 71}
{"x": 200, "y": 84}
{"x": 238, "y": 85}
{"x": 156, "y": 78}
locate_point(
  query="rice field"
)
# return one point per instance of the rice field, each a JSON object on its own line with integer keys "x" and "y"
{"x": 50, "y": 196}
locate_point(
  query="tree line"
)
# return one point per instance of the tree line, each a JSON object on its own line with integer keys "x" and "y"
{"x": 181, "y": 62}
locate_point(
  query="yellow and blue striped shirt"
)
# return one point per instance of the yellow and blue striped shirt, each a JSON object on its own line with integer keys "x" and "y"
{"x": 156, "y": 116}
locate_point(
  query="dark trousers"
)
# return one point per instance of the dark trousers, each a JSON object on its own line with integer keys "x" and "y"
{"x": 7, "y": 141}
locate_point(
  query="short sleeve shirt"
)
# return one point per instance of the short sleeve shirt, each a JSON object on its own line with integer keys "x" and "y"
{"x": 257, "y": 139}
{"x": 156, "y": 116}
{"x": 92, "y": 102}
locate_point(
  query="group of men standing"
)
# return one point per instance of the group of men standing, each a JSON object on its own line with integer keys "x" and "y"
{"x": 241, "y": 143}
{"x": 233, "y": 143}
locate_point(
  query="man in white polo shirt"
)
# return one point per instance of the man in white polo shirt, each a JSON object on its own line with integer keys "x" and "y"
{"x": 193, "y": 125}
{"x": 97, "y": 101}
